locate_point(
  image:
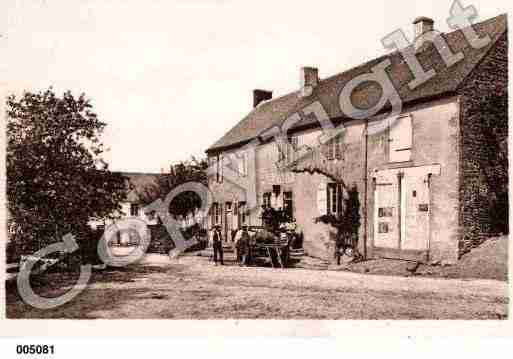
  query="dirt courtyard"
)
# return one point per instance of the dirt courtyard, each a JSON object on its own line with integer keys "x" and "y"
{"x": 192, "y": 288}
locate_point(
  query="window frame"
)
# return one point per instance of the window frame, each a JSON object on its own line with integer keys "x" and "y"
{"x": 334, "y": 198}
{"x": 334, "y": 148}
{"x": 137, "y": 209}
{"x": 216, "y": 214}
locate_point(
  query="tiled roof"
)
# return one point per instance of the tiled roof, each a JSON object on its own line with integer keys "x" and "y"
{"x": 446, "y": 80}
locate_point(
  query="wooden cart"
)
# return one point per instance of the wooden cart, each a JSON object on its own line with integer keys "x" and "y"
{"x": 280, "y": 248}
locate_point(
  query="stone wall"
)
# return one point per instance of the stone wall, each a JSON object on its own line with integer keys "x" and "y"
{"x": 435, "y": 141}
{"x": 268, "y": 175}
{"x": 484, "y": 129}
{"x": 319, "y": 238}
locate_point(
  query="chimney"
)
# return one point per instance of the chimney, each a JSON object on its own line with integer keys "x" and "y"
{"x": 309, "y": 78}
{"x": 421, "y": 25}
{"x": 261, "y": 95}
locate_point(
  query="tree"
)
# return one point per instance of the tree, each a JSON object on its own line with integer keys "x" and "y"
{"x": 56, "y": 178}
{"x": 193, "y": 170}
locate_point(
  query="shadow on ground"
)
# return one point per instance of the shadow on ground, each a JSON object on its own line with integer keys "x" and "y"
{"x": 110, "y": 289}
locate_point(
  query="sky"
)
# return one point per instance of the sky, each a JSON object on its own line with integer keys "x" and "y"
{"x": 171, "y": 77}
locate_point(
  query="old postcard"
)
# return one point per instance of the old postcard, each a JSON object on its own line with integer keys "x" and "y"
{"x": 189, "y": 161}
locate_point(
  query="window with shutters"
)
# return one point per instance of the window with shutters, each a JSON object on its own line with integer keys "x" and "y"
{"x": 287, "y": 149}
{"x": 400, "y": 139}
{"x": 290, "y": 149}
{"x": 216, "y": 214}
{"x": 334, "y": 148}
{"x": 280, "y": 150}
{"x": 334, "y": 198}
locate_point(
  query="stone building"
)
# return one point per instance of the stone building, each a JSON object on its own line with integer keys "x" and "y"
{"x": 428, "y": 178}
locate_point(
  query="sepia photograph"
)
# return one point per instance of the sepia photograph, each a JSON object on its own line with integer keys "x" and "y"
{"x": 232, "y": 160}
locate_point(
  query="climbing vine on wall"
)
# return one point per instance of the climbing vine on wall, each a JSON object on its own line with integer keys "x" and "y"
{"x": 347, "y": 221}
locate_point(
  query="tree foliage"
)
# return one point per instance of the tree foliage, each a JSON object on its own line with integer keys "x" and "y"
{"x": 56, "y": 178}
{"x": 193, "y": 170}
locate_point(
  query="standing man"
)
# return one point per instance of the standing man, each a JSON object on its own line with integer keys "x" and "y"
{"x": 217, "y": 244}
{"x": 244, "y": 249}
{"x": 243, "y": 246}
{"x": 237, "y": 238}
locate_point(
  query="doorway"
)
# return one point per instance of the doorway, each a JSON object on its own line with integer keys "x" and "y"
{"x": 402, "y": 211}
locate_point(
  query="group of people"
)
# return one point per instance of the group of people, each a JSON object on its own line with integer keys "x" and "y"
{"x": 241, "y": 240}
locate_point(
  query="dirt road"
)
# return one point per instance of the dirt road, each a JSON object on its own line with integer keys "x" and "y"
{"x": 191, "y": 288}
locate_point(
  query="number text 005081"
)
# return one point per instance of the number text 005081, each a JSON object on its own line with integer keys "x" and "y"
{"x": 34, "y": 349}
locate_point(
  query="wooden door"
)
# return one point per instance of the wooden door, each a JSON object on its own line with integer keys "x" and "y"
{"x": 386, "y": 211}
{"x": 415, "y": 213}
{"x": 402, "y": 211}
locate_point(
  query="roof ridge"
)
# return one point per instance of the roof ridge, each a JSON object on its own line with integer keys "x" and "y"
{"x": 483, "y": 56}
{"x": 396, "y": 52}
